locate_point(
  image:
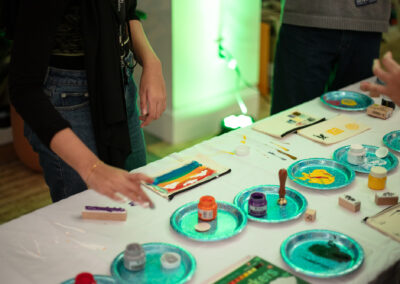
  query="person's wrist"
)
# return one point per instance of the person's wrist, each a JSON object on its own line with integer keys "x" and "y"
{"x": 90, "y": 171}
{"x": 152, "y": 62}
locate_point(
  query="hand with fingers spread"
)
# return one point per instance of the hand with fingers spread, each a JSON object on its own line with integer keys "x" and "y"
{"x": 152, "y": 93}
{"x": 390, "y": 76}
{"x": 111, "y": 181}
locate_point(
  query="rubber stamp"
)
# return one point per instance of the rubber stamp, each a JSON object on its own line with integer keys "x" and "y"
{"x": 349, "y": 202}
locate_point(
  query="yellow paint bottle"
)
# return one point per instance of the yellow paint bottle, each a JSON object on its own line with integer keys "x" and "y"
{"x": 377, "y": 178}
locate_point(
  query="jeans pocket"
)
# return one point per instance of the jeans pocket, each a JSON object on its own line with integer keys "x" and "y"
{"x": 69, "y": 101}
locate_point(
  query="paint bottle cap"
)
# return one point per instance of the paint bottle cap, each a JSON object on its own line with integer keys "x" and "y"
{"x": 134, "y": 257}
{"x": 207, "y": 202}
{"x": 202, "y": 227}
{"x": 242, "y": 150}
{"x": 170, "y": 260}
{"x": 379, "y": 172}
{"x": 85, "y": 278}
{"x": 357, "y": 149}
{"x": 381, "y": 152}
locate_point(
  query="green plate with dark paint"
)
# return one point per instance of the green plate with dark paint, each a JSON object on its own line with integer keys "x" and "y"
{"x": 322, "y": 253}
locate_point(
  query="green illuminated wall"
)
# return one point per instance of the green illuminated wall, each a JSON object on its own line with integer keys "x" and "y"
{"x": 201, "y": 87}
{"x": 199, "y": 74}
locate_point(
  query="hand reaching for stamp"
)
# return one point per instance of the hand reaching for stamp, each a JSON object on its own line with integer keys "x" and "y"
{"x": 390, "y": 74}
{"x": 112, "y": 182}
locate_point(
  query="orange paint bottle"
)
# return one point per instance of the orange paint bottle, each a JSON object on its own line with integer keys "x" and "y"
{"x": 207, "y": 208}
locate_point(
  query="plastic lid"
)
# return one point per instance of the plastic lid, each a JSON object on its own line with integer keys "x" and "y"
{"x": 357, "y": 148}
{"x": 170, "y": 260}
{"x": 85, "y": 278}
{"x": 242, "y": 150}
{"x": 378, "y": 172}
{"x": 382, "y": 152}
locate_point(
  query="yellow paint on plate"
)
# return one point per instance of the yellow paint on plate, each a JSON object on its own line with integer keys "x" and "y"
{"x": 319, "y": 176}
{"x": 348, "y": 102}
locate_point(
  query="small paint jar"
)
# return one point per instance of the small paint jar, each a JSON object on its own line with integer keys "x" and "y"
{"x": 257, "y": 204}
{"x": 377, "y": 178}
{"x": 207, "y": 208}
{"x": 134, "y": 257}
{"x": 386, "y": 101}
{"x": 356, "y": 154}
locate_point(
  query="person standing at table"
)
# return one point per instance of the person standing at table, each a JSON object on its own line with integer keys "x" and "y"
{"x": 325, "y": 45}
{"x": 71, "y": 81}
{"x": 391, "y": 77}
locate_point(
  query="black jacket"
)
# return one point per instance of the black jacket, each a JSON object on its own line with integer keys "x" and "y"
{"x": 33, "y": 39}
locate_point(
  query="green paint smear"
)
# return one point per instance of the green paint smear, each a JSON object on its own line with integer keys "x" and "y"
{"x": 330, "y": 251}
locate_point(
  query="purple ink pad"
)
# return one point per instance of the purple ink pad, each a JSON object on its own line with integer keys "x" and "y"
{"x": 257, "y": 204}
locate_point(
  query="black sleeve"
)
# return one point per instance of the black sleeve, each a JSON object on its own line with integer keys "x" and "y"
{"x": 33, "y": 40}
{"x": 132, "y": 10}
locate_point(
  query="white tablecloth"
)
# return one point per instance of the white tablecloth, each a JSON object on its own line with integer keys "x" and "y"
{"x": 53, "y": 244}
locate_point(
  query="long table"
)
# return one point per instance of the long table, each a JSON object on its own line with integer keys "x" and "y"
{"x": 53, "y": 244}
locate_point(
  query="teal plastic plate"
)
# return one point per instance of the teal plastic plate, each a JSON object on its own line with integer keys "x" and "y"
{"x": 295, "y": 207}
{"x": 389, "y": 162}
{"x": 153, "y": 271}
{"x": 392, "y": 140}
{"x": 322, "y": 253}
{"x": 346, "y": 100}
{"x": 320, "y": 173}
{"x": 230, "y": 221}
{"x": 100, "y": 279}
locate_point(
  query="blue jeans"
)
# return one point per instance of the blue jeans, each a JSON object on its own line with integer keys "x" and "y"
{"x": 311, "y": 61}
{"x": 137, "y": 157}
{"x": 67, "y": 91}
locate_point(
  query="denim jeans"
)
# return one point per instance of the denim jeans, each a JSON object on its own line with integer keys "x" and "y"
{"x": 137, "y": 158}
{"x": 310, "y": 61}
{"x": 68, "y": 92}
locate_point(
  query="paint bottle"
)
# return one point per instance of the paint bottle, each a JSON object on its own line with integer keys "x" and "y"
{"x": 134, "y": 257}
{"x": 377, "y": 178}
{"x": 84, "y": 278}
{"x": 257, "y": 204}
{"x": 207, "y": 208}
{"x": 386, "y": 101}
{"x": 356, "y": 154}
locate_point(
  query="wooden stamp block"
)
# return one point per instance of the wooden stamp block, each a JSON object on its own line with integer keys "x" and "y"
{"x": 349, "y": 202}
{"x": 104, "y": 213}
{"x": 386, "y": 198}
{"x": 379, "y": 111}
{"x": 310, "y": 215}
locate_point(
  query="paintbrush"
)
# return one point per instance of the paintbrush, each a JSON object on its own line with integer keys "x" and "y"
{"x": 290, "y": 156}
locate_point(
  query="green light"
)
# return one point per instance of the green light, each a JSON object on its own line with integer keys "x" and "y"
{"x": 232, "y": 64}
{"x": 202, "y": 83}
{"x": 237, "y": 121}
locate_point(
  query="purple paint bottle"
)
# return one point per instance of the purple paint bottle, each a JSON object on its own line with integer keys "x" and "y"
{"x": 257, "y": 204}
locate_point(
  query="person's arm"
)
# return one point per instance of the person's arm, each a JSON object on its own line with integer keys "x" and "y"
{"x": 390, "y": 76}
{"x": 33, "y": 39}
{"x": 152, "y": 86}
{"x": 104, "y": 179}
